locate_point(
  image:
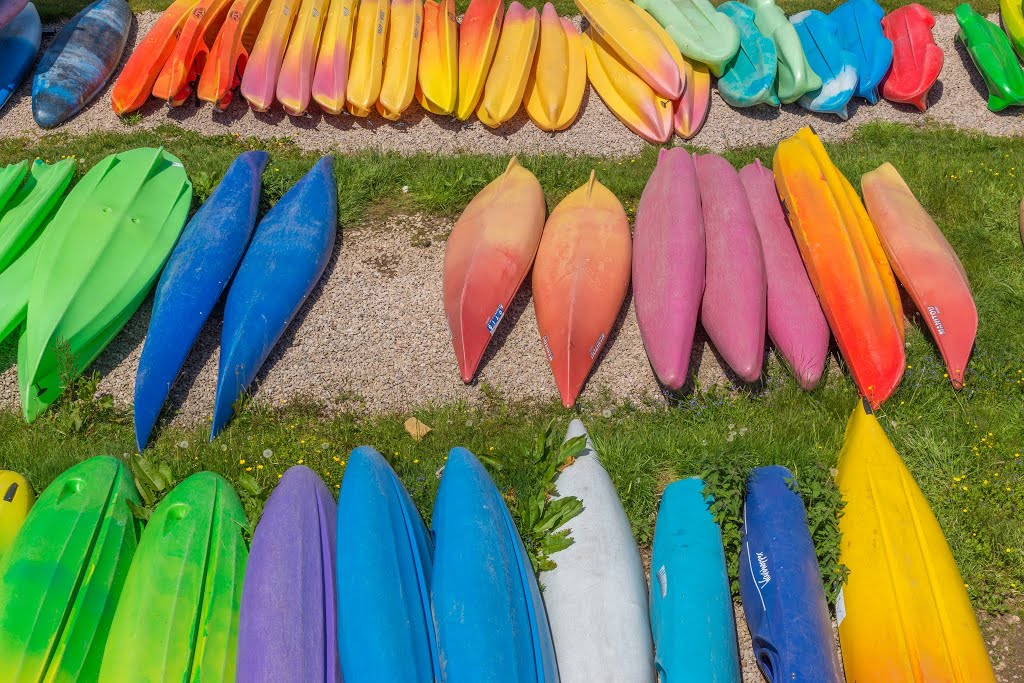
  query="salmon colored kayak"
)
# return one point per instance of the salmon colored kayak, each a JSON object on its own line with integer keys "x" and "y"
{"x": 295, "y": 82}
{"x": 259, "y": 83}
{"x": 668, "y": 265}
{"x": 230, "y": 52}
{"x": 926, "y": 265}
{"x": 829, "y": 224}
{"x": 330, "y": 77}
{"x": 733, "y": 311}
{"x": 185, "y": 62}
{"x": 437, "y": 79}
{"x": 478, "y": 41}
{"x": 487, "y": 257}
{"x": 796, "y": 325}
{"x": 579, "y": 282}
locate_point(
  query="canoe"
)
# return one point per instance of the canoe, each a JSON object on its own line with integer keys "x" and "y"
{"x": 487, "y": 258}
{"x": 230, "y": 52}
{"x": 295, "y": 81}
{"x": 19, "y": 45}
{"x": 860, "y": 31}
{"x": 478, "y": 41}
{"x": 668, "y": 265}
{"x": 513, "y": 60}
{"x": 369, "y": 48}
{"x": 437, "y": 80}
{"x": 26, "y": 212}
{"x": 748, "y": 78}
{"x": 400, "y": 64}
{"x": 691, "y": 605}
{"x": 833, "y": 63}
{"x": 596, "y": 596}
{"x": 795, "y": 77}
{"x": 796, "y": 324}
{"x": 197, "y": 272}
{"x": 97, "y": 260}
{"x": 177, "y": 618}
{"x": 558, "y": 80}
{"x": 690, "y": 111}
{"x": 490, "y": 619}
{"x": 579, "y": 282}
{"x": 916, "y": 59}
{"x": 175, "y": 82}
{"x": 993, "y": 57}
{"x": 904, "y": 613}
{"x": 780, "y": 584}
{"x": 9, "y": 9}
{"x": 259, "y": 80}
{"x": 264, "y": 297}
{"x": 626, "y": 34}
{"x": 330, "y": 76}
{"x": 734, "y": 309}
{"x": 61, "y": 580}
{"x": 16, "y": 499}
{"x": 925, "y": 264}
{"x": 1011, "y": 14}
{"x": 287, "y": 624}
{"x": 700, "y": 33}
{"x": 385, "y": 555}
{"x": 830, "y": 226}
{"x": 79, "y": 62}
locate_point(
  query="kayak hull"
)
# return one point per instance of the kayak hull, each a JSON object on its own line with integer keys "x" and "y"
{"x": 993, "y": 57}
{"x": 558, "y": 78}
{"x": 513, "y": 61}
{"x": 836, "y": 66}
{"x": 19, "y": 44}
{"x": 795, "y": 76}
{"x": 748, "y": 78}
{"x": 16, "y": 499}
{"x": 861, "y": 32}
{"x": 916, "y": 59}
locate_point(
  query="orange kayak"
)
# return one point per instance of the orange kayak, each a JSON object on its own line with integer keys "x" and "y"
{"x": 230, "y": 52}
{"x": 182, "y": 68}
{"x": 487, "y": 257}
{"x": 579, "y": 282}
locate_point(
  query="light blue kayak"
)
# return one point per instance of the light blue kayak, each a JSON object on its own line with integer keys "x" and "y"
{"x": 833, "y": 63}
{"x": 860, "y": 30}
{"x": 19, "y": 45}
{"x": 749, "y": 77}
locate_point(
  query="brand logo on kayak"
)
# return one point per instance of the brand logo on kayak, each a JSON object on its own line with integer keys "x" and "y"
{"x": 200, "y": 11}
{"x": 235, "y": 16}
{"x": 933, "y": 313}
{"x": 762, "y": 566}
{"x": 495, "y": 319}
{"x": 547, "y": 348}
{"x": 597, "y": 346}
{"x": 663, "y": 581}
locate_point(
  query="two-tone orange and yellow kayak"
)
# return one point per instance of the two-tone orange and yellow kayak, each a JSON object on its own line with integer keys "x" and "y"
{"x": 230, "y": 52}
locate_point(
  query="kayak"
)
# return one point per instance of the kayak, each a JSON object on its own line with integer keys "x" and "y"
{"x": 478, "y": 41}
{"x": 796, "y": 324}
{"x": 904, "y": 613}
{"x": 26, "y": 212}
{"x": 748, "y": 78}
{"x": 61, "y": 580}
{"x": 79, "y": 62}
{"x": 1011, "y": 14}
{"x": 700, "y": 33}
{"x": 9, "y": 9}
{"x": 916, "y": 59}
{"x": 833, "y": 63}
{"x": 369, "y": 48}
{"x": 596, "y": 596}
{"x": 490, "y": 619}
{"x": 558, "y": 79}
{"x": 734, "y": 308}
{"x": 437, "y": 80}
{"x": 780, "y": 584}
{"x": 11, "y": 177}
{"x": 513, "y": 59}
{"x": 385, "y": 555}
{"x": 285, "y": 260}
{"x": 177, "y": 618}
{"x": 259, "y": 80}
{"x": 860, "y": 31}
{"x": 197, "y": 272}
{"x": 487, "y": 258}
{"x": 668, "y": 265}
{"x": 993, "y": 57}
{"x": 795, "y": 77}
{"x": 16, "y": 500}
{"x": 400, "y": 65}
{"x": 580, "y": 280}
{"x": 691, "y": 605}
{"x": 690, "y": 111}
{"x": 230, "y": 52}
{"x": 925, "y": 264}
{"x": 19, "y": 45}
{"x": 295, "y": 81}
{"x": 287, "y": 623}
{"x": 175, "y": 82}
{"x": 330, "y": 76}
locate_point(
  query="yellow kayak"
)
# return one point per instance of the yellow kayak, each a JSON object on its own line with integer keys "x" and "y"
{"x": 506, "y": 82}
{"x": 438, "y": 86}
{"x": 1011, "y": 13}
{"x": 478, "y": 41}
{"x": 16, "y": 499}
{"x": 904, "y": 614}
{"x": 367, "y": 72}
{"x": 403, "y": 56}
{"x": 558, "y": 79}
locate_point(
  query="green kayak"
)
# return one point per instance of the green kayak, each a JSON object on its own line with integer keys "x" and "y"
{"x": 992, "y": 54}
{"x": 60, "y": 582}
{"x": 795, "y": 77}
{"x": 178, "y": 615}
{"x": 700, "y": 32}
{"x": 31, "y": 205}
{"x": 96, "y": 261}
{"x": 10, "y": 180}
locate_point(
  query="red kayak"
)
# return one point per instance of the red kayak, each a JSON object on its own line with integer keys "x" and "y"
{"x": 916, "y": 59}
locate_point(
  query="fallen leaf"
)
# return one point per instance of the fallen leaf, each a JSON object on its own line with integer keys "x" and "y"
{"x": 417, "y": 430}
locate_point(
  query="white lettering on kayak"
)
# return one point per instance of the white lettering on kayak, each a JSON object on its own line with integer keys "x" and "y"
{"x": 597, "y": 346}
{"x": 750, "y": 563}
{"x": 547, "y": 348}
{"x": 495, "y": 319}
{"x": 762, "y": 565}
{"x": 663, "y": 581}
{"x": 933, "y": 313}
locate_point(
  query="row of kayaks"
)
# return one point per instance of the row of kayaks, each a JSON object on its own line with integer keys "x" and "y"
{"x": 714, "y": 245}
{"x": 992, "y": 51}
{"x": 360, "y": 590}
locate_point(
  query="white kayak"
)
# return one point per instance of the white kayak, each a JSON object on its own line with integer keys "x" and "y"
{"x": 596, "y": 597}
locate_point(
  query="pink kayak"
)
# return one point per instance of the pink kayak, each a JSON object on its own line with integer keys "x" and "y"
{"x": 735, "y": 290}
{"x": 668, "y": 264}
{"x": 796, "y": 323}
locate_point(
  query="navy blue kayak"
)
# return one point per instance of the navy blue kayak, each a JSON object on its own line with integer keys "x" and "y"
{"x": 19, "y": 44}
{"x": 491, "y": 623}
{"x": 196, "y": 274}
{"x": 80, "y": 61}
{"x": 385, "y": 555}
{"x": 783, "y": 597}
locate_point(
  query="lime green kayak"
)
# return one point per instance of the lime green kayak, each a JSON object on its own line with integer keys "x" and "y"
{"x": 10, "y": 180}
{"x": 178, "y": 615}
{"x": 31, "y": 205}
{"x": 96, "y": 261}
{"x": 60, "y": 581}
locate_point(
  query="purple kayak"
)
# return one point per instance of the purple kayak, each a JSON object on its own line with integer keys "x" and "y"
{"x": 734, "y": 308}
{"x": 668, "y": 264}
{"x": 10, "y": 9}
{"x": 287, "y": 631}
{"x": 796, "y": 323}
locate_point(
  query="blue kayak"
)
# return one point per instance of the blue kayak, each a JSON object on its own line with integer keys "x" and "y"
{"x": 80, "y": 61}
{"x": 860, "y": 30}
{"x": 196, "y": 274}
{"x": 19, "y": 45}
{"x": 9, "y": 9}
{"x": 491, "y": 623}
{"x": 749, "y": 77}
{"x": 783, "y": 597}
{"x": 691, "y": 606}
{"x": 288, "y": 254}
{"x": 837, "y": 66}
{"x": 385, "y": 554}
